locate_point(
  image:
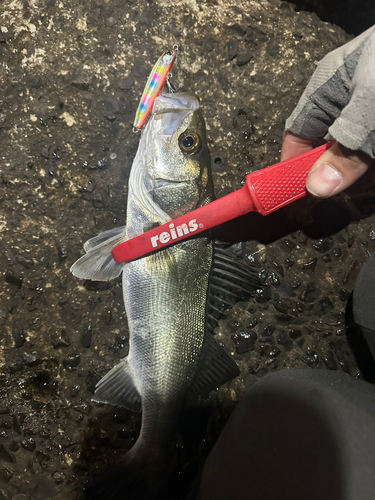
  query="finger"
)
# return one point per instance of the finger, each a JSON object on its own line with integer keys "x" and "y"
{"x": 293, "y": 146}
{"x": 337, "y": 169}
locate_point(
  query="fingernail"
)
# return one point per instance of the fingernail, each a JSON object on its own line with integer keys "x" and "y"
{"x": 324, "y": 180}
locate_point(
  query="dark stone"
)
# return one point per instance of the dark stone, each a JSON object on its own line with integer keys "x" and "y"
{"x": 232, "y": 48}
{"x": 72, "y": 361}
{"x": 270, "y": 350}
{"x": 334, "y": 319}
{"x": 310, "y": 359}
{"x": 290, "y": 245}
{"x": 343, "y": 354}
{"x": 295, "y": 334}
{"x": 88, "y": 187}
{"x": 28, "y": 444}
{"x": 289, "y": 262}
{"x": 244, "y": 58}
{"x": 110, "y": 117}
{"x": 126, "y": 83}
{"x": 37, "y": 82}
{"x": 107, "y": 316}
{"x": 267, "y": 330}
{"x": 244, "y": 341}
{"x": 91, "y": 380}
{"x": 272, "y": 48}
{"x": 223, "y": 80}
{"x": 75, "y": 390}
{"x": 27, "y": 263}
{"x": 45, "y": 153}
{"x": 310, "y": 265}
{"x": 255, "y": 34}
{"x": 279, "y": 268}
{"x": 95, "y": 286}
{"x": 311, "y": 293}
{"x": 86, "y": 336}
{"x": 31, "y": 359}
{"x": 238, "y": 29}
{"x": 110, "y": 22}
{"x": 343, "y": 294}
{"x": 112, "y": 105}
{"x": 324, "y": 306}
{"x": 62, "y": 251}
{"x": 284, "y": 339}
{"x": 3, "y": 315}
{"x": 18, "y": 336}
{"x": 329, "y": 361}
{"x": 263, "y": 294}
{"x": 6, "y": 455}
{"x": 323, "y": 245}
{"x": 60, "y": 339}
{"x": 298, "y": 77}
{"x": 41, "y": 457}
{"x": 5, "y": 475}
{"x": 274, "y": 279}
{"x": 14, "y": 279}
{"x": 4, "y": 495}
{"x": 83, "y": 86}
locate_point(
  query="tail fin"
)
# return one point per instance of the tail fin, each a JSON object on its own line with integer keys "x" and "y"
{"x": 129, "y": 479}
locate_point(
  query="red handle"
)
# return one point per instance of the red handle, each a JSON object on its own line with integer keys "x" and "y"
{"x": 265, "y": 191}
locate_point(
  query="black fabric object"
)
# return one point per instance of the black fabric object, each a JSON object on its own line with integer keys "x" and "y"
{"x": 364, "y": 303}
{"x": 298, "y": 434}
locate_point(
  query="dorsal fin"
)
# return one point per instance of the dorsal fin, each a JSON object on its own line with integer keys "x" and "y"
{"x": 215, "y": 367}
{"x": 117, "y": 388}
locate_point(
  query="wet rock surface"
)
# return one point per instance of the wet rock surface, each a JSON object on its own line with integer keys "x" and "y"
{"x": 67, "y": 104}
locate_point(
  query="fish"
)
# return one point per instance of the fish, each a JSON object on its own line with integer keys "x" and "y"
{"x": 172, "y": 352}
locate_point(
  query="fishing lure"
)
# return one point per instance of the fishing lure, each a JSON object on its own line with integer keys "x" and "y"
{"x": 155, "y": 82}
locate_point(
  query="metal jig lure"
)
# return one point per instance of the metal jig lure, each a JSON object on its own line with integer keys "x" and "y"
{"x": 158, "y": 76}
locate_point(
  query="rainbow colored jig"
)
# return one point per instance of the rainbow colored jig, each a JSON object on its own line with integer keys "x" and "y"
{"x": 155, "y": 82}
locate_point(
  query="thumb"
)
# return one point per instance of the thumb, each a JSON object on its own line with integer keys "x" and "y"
{"x": 337, "y": 169}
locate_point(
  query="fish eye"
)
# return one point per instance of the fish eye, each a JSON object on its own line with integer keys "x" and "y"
{"x": 190, "y": 142}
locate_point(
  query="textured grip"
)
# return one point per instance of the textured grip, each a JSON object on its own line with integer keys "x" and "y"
{"x": 283, "y": 183}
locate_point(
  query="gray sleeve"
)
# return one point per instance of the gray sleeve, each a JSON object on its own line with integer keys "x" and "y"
{"x": 340, "y": 97}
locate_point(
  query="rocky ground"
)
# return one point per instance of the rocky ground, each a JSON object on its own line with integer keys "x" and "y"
{"x": 71, "y": 77}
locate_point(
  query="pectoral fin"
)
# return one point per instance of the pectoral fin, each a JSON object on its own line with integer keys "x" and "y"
{"x": 98, "y": 264}
{"x": 117, "y": 388}
{"x": 215, "y": 367}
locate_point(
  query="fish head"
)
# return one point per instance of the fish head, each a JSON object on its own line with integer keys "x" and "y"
{"x": 177, "y": 166}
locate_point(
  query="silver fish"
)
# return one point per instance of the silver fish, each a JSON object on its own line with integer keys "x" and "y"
{"x": 165, "y": 294}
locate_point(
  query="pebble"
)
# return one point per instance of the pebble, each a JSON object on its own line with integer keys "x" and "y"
{"x": 323, "y": 245}
{"x": 324, "y": 306}
{"x": 83, "y": 86}
{"x": 272, "y": 48}
{"x": 232, "y": 48}
{"x": 295, "y": 334}
{"x": 3, "y": 119}
{"x": 244, "y": 341}
{"x": 91, "y": 380}
{"x": 3, "y": 315}
{"x": 62, "y": 251}
{"x": 126, "y": 83}
{"x": 244, "y": 58}
{"x": 60, "y": 339}
{"x": 110, "y": 22}
{"x": 238, "y": 29}
{"x": 75, "y": 390}
{"x": 37, "y": 82}
{"x": 310, "y": 265}
{"x": 284, "y": 339}
{"x": 4, "y": 495}
{"x": 18, "y": 336}
{"x": 310, "y": 359}
{"x": 311, "y": 293}
{"x": 270, "y": 350}
{"x": 88, "y": 187}
{"x": 86, "y": 336}
{"x": 26, "y": 263}
{"x": 298, "y": 77}
{"x": 28, "y": 444}
{"x": 5, "y": 475}
{"x": 274, "y": 279}
{"x": 14, "y": 279}
{"x": 31, "y": 359}
{"x": 112, "y": 105}
{"x": 6, "y": 455}
{"x": 267, "y": 330}
{"x": 72, "y": 361}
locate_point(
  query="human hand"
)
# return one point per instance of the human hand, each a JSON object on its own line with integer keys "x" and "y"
{"x": 340, "y": 100}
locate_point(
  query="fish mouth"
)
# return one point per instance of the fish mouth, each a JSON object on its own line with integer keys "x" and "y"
{"x": 179, "y": 102}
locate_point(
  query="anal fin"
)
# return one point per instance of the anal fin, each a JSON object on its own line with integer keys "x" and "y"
{"x": 117, "y": 388}
{"x": 215, "y": 367}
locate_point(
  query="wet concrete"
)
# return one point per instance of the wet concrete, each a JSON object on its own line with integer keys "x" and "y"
{"x": 71, "y": 78}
